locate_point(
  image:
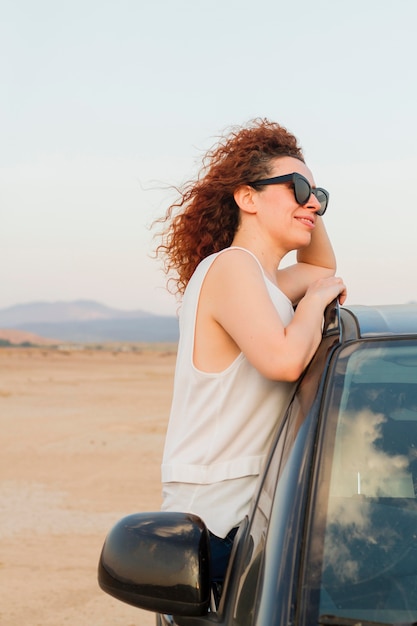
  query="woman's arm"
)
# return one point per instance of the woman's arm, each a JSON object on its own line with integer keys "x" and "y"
{"x": 315, "y": 261}
{"x": 320, "y": 251}
{"x": 235, "y": 298}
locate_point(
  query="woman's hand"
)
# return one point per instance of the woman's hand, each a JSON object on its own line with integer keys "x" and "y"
{"x": 327, "y": 289}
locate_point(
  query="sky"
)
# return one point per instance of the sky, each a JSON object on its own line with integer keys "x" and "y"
{"x": 106, "y": 105}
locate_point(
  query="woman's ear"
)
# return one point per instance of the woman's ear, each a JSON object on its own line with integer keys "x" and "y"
{"x": 245, "y": 198}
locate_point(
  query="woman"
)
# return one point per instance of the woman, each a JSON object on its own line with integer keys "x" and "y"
{"x": 241, "y": 345}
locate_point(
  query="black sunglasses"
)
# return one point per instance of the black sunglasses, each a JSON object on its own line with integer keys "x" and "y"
{"x": 302, "y": 189}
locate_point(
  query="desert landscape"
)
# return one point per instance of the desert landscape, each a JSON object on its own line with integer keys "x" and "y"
{"x": 82, "y": 437}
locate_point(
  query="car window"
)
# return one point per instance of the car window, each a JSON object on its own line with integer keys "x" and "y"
{"x": 362, "y": 558}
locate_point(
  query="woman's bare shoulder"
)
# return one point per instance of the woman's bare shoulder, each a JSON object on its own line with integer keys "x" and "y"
{"x": 236, "y": 259}
{"x": 234, "y": 275}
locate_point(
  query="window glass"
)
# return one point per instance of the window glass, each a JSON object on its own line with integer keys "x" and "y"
{"x": 377, "y": 425}
{"x": 363, "y": 540}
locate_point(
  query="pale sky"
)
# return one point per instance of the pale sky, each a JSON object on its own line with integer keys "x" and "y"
{"x": 105, "y": 103}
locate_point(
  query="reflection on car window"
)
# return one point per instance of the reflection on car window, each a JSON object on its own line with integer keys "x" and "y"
{"x": 369, "y": 553}
{"x": 377, "y": 426}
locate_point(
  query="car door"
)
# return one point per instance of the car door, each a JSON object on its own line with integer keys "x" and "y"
{"x": 359, "y": 559}
{"x": 261, "y": 580}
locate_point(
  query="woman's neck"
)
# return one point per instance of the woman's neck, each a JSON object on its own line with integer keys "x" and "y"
{"x": 268, "y": 256}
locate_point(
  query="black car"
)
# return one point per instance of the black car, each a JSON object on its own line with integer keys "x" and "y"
{"x": 332, "y": 534}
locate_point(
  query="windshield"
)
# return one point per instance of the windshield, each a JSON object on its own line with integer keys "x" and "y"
{"x": 362, "y": 560}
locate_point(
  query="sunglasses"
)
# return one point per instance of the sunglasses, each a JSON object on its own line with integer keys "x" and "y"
{"x": 302, "y": 189}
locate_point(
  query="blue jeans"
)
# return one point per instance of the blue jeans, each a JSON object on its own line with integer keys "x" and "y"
{"x": 220, "y": 554}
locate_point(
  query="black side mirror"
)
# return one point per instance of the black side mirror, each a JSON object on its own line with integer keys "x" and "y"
{"x": 159, "y": 562}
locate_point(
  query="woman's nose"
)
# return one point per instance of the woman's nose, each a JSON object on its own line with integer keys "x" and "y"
{"x": 313, "y": 203}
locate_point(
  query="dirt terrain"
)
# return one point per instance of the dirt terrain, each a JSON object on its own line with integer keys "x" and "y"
{"x": 82, "y": 434}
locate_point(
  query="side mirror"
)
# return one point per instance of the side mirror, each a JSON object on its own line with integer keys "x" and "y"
{"x": 159, "y": 562}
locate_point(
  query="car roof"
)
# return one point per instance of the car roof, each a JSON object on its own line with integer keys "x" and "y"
{"x": 360, "y": 321}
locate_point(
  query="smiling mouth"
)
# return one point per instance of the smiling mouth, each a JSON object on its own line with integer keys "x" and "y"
{"x": 309, "y": 221}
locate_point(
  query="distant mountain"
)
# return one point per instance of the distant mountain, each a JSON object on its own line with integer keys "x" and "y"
{"x": 80, "y": 310}
{"x": 18, "y": 337}
{"x": 88, "y": 321}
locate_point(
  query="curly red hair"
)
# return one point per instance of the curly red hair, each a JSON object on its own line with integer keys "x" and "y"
{"x": 207, "y": 216}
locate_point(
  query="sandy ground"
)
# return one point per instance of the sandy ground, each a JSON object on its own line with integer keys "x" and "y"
{"x": 81, "y": 444}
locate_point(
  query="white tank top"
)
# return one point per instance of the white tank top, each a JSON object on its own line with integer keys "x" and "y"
{"x": 221, "y": 424}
